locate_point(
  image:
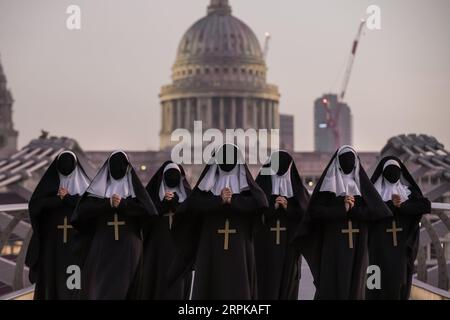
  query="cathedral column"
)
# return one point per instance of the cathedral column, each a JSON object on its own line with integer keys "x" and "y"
{"x": 263, "y": 124}
{"x": 276, "y": 115}
{"x": 199, "y": 114}
{"x": 209, "y": 113}
{"x": 244, "y": 113}
{"x": 179, "y": 124}
{"x": 174, "y": 115}
{"x": 233, "y": 113}
{"x": 169, "y": 116}
{"x": 221, "y": 114}
{"x": 163, "y": 117}
{"x": 187, "y": 113}
{"x": 269, "y": 114}
{"x": 255, "y": 111}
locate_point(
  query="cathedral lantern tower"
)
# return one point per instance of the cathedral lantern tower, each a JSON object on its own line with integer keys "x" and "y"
{"x": 219, "y": 78}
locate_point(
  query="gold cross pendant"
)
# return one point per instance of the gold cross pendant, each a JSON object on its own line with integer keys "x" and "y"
{"x": 394, "y": 231}
{"x": 116, "y": 223}
{"x": 170, "y": 215}
{"x": 350, "y": 232}
{"x": 65, "y": 226}
{"x": 278, "y": 230}
{"x": 226, "y": 232}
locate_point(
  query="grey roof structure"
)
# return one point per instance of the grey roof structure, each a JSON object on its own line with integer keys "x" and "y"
{"x": 32, "y": 158}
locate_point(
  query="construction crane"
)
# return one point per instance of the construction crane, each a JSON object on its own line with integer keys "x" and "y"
{"x": 266, "y": 45}
{"x": 332, "y": 119}
{"x": 351, "y": 60}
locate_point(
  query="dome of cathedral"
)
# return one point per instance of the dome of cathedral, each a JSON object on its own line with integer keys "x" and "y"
{"x": 217, "y": 36}
{"x": 219, "y": 43}
{"x": 218, "y": 78}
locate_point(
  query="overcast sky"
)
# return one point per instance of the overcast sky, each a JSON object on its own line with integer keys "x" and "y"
{"x": 100, "y": 85}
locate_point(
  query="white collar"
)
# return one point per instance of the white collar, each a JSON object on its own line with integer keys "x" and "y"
{"x": 77, "y": 181}
{"x": 339, "y": 183}
{"x": 180, "y": 190}
{"x": 387, "y": 189}
{"x": 104, "y": 185}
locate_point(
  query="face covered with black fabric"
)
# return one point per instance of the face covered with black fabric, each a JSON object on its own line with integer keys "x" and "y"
{"x": 347, "y": 162}
{"x": 227, "y": 157}
{"x": 392, "y": 173}
{"x": 66, "y": 163}
{"x": 284, "y": 161}
{"x": 118, "y": 165}
{"x": 172, "y": 178}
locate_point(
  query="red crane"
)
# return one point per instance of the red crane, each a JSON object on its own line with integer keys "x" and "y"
{"x": 331, "y": 119}
{"x": 351, "y": 60}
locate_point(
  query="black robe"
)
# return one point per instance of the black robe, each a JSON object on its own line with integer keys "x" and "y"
{"x": 278, "y": 266}
{"x": 342, "y": 268}
{"x": 339, "y": 271}
{"x": 48, "y": 256}
{"x": 199, "y": 234}
{"x": 159, "y": 247}
{"x": 397, "y": 262}
{"x": 112, "y": 269}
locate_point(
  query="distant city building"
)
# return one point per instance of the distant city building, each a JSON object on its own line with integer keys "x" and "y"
{"x": 287, "y": 132}
{"x": 219, "y": 78}
{"x": 333, "y": 128}
{"x": 8, "y": 136}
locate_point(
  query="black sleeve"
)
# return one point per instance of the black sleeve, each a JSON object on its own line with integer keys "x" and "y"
{"x": 293, "y": 211}
{"x": 37, "y": 206}
{"x": 328, "y": 207}
{"x": 360, "y": 211}
{"x": 90, "y": 208}
{"x": 169, "y": 206}
{"x": 210, "y": 203}
{"x": 244, "y": 204}
{"x": 132, "y": 207}
{"x": 71, "y": 200}
{"x": 269, "y": 212}
{"x": 415, "y": 207}
{"x": 51, "y": 202}
{"x": 186, "y": 230}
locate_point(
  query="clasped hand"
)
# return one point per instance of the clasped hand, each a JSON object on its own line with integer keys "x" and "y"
{"x": 62, "y": 192}
{"x": 226, "y": 195}
{"x": 396, "y": 200}
{"x": 349, "y": 203}
{"x": 115, "y": 200}
{"x": 281, "y": 201}
{"x": 169, "y": 196}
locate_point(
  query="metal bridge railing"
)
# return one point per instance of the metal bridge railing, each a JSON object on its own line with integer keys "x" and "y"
{"x": 15, "y": 234}
{"x": 433, "y": 229}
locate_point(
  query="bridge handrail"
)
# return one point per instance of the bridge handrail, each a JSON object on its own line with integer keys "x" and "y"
{"x": 22, "y": 294}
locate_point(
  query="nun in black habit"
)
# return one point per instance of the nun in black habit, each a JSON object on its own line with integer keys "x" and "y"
{"x": 393, "y": 242}
{"x": 113, "y": 210}
{"x": 277, "y": 268}
{"x": 51, "y": 248}
{"x": 343, "y": 202}
{"x": 214, "y": 229}
{"x": 168, "y": 188}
